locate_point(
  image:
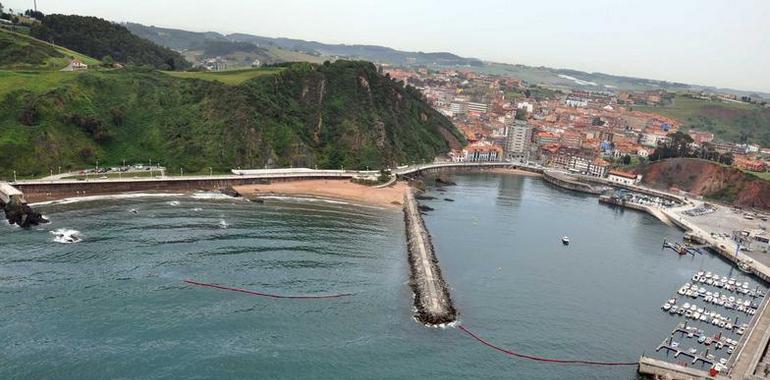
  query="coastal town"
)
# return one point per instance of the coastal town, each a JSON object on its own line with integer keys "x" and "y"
{"x": 595, "y": 131}
{"x": 502, "y": 200}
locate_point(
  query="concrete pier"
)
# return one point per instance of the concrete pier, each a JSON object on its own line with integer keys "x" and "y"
{"x": 569, "y": 182}
{"x": 431, "y": 294}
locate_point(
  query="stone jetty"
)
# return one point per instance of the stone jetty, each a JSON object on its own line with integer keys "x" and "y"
{"x": 431, "y": 293}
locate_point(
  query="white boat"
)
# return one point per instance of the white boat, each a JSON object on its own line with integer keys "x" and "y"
{"x": 565, "y": 240}
{"x": 666, "y": 306}
{"x": 695, "y": 278}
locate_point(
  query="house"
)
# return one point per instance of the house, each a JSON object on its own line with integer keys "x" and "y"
{"x": 625, "y": 178}
{"x": 75, "y": 65}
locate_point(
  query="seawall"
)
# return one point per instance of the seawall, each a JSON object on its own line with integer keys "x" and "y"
{"x": 568, "y": 182}
{"x": 38, "y": 191}
{"x": 431, "y": 293}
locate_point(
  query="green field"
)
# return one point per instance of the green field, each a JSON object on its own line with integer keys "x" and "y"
{"x": 230, "y": 77}
{"x": 736, "y": 122}
{"x": 35, "y": 81}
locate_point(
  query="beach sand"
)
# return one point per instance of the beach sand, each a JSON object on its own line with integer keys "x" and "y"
{"x": 392, "y": 196}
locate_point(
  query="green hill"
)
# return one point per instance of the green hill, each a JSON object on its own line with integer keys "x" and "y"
{"x": 96, "y": 37}
{"x": 21, "y": 52}
{"x": 341, "y": 114}
{"x": 737, "y": 122}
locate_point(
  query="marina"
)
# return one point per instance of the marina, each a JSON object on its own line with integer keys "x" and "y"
{"x": 715, "y": 312}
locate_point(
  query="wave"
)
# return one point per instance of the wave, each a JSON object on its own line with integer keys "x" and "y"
{"x": 223, "y": 224}
{"x": 105, "y": 197}
{"x": 66, "y": 236}
{"x": 173, "y": 203}
{"x": 213, "y": 195}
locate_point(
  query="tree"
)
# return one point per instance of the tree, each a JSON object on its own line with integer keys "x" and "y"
{"x": 521, "y": 114}
{"x": 37, "y": 15}
{"x": 626, "y": 160}
{"x": 597, "y": 121}
{"x": 1, "y": 9}
{"x": 108, "y": 61}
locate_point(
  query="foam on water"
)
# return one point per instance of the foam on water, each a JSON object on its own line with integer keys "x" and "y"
{"x": 105, "y": 197}
{"x": 66, "y": 236}
{"x": 212, "y": 195}
{"x": 173, "y": 203}
{"x": 223, "y": 224}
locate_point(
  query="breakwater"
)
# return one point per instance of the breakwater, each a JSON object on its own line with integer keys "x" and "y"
{"x": 431, "y": 294}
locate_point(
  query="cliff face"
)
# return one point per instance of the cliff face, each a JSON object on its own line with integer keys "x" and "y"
{"x": 709, "y": 179}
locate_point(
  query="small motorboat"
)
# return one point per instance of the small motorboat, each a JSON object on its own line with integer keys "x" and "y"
{"x": 565, "y": 240}
{"x": 666, "y": 306}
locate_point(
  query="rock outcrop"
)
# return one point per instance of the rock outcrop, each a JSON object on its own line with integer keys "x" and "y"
{"x": 21, "y": 214}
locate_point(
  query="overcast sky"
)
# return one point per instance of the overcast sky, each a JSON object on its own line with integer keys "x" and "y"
{"x": 711, "y": 42}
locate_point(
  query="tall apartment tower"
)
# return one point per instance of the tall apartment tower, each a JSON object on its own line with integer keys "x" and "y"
{"x": 518, "y": 140}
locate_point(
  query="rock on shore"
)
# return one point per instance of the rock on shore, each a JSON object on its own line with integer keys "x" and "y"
{"x": 21, "y": 214}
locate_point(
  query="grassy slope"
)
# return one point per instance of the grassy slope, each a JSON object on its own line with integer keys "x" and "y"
{"x": 34, "y": 54}
{"x": 230, "y": 77}
{"x": 341, "y": 114}
{"x": 736, "y": 122}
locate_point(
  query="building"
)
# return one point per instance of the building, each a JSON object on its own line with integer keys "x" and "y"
{"x": 623, "y": 177}
{"x": 574, "y": 101}
{"x": 482, "y": 151}
{"x": 517, "y": 142}
{"x": 477, "y": 107}
{"x": 75, "y": 65}
{"x": 652, "y": 139}
{"x": 458, "y": 108}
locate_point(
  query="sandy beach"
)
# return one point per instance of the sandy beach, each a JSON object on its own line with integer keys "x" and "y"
{"x": 392, "y": 196}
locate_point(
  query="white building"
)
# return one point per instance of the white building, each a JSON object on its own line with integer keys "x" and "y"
{"x": 651, "y": 139}
{"x": 458, "y": 108}
{"x": 482, "y": 151}
{"x": 576, "y": 102}
{"x": 518, "y": 140}
{"x": 527, "y": 106}
{"x": 477, "y": 107}
{"x": 624, "y": 178}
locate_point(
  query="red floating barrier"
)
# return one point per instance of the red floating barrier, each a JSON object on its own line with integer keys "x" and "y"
{"x": 542, "y": 359}
{"x": 191, "y": 282}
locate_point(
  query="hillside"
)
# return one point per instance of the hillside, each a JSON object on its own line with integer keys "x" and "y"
{"x": 196, "y": 46}
{"x": 21, "y": 52}
{"x": 709, "y": 179}
{"x": 181, "y": 39}
{"x": 739, "y": 122}
{"x": 338, "y": 115}
{"x": 96, "y": 37}
{"x": 552, "y": 77}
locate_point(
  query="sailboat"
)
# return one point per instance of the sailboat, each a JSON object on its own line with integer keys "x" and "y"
{"x": 565, "y": 240}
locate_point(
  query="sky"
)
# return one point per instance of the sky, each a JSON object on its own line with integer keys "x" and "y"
{"x": 723, "y": 43}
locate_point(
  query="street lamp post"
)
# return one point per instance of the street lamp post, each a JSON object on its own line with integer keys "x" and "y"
{"x": 211, "y": 172}
{"x": 14, "y": 176}
{"x": 59, "y": 170}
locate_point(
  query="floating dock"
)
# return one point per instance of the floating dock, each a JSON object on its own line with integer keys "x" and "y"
{"x": 431, "y": 294}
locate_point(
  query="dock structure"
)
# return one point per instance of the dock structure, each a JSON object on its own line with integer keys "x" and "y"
{"x": 431, "y": 294}
{"x": 569, "y": 182}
